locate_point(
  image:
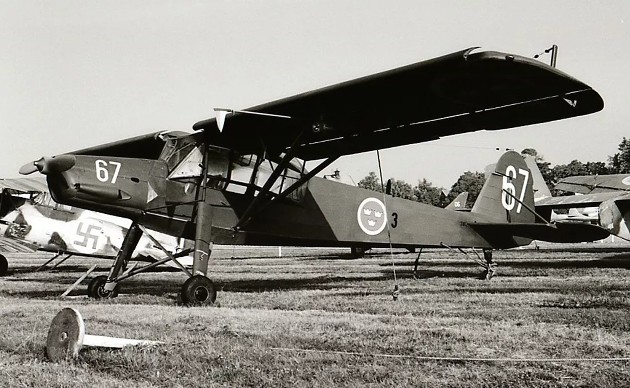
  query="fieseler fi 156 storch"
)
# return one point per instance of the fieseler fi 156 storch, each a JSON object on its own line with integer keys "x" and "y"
{"x": 240, "y": 177}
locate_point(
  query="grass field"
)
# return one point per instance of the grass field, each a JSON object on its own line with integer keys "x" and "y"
{"x": 552, "y": 317}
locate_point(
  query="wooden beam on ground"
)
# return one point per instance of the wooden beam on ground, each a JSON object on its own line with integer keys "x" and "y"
{"x": 79, "y": 280}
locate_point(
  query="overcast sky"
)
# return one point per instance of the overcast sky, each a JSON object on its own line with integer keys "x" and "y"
{"x": 79, "y": 73}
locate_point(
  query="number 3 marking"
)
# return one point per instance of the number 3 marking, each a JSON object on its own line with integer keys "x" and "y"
{"x": 102, "y": 173}
{"x": 395, "y": 220}
{"x": 507, "y": 200}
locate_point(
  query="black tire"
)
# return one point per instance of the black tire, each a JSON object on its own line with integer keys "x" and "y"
{"x": 198, "y": 290}
{"x": 96, "y": 288}
{"x": 357, "y": 252}
{"x": 4, "y": 265}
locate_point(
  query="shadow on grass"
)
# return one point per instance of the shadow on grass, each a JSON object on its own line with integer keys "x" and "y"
{"x": 319, "y": 283}
{"x": 621, "y": 261}
{"x": 612, "y": 261}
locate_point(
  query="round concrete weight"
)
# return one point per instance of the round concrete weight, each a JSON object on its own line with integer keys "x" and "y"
{"x": 65, "y": 336}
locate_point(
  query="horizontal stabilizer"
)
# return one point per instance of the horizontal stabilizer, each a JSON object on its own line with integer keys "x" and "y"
{"x": 568, "y": 232}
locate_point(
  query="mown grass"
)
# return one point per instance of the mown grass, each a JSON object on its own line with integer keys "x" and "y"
{"x": 317, "y": 318}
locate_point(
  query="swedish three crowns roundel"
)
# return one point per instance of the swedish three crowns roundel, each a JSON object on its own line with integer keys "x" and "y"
{"x": 371, "y": 216}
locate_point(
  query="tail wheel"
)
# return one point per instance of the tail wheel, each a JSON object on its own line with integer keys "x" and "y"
{"x": 4, "y": 265}
{"x": 198, "y": 290}
{"x": 96, "y": 288}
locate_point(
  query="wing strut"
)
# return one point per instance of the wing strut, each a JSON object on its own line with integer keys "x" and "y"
{"x": 284, "y": 163}
{"x": 243, "y": 222}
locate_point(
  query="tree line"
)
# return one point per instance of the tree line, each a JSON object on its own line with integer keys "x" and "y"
{"x": 472, "y": 182}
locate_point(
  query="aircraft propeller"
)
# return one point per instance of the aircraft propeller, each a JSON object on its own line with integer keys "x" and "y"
{"x": 47, "y": 165}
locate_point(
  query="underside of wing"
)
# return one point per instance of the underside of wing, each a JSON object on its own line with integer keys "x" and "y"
{"x": 147, "y": 146}
{"x": 24, "y": 185}
{"x": 559, "y": 232}
{"x": 571, "y": 201}
{"x": 594, "y": 183}
{"x": 11, "y": 245}
{"x": 457, "y": 93}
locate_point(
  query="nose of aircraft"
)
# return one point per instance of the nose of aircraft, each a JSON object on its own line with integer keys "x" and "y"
{"x": 48, "y": 165}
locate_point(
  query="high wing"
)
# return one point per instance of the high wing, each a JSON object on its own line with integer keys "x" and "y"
{"x": 457, "y": 93}
{"x": 591, "y": 184}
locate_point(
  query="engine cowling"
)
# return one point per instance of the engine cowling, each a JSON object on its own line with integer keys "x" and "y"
{"x": 94, "y": 181}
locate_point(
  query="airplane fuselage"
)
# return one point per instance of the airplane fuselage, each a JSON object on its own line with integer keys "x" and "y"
{"x": 320, "y": 213}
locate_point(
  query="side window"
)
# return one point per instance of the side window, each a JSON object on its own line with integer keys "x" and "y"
{"x": 218, "y": 167}
{"x": 241, "y": 173}
{"x": 247, "y": 172}
{"x": 189, "y": 165}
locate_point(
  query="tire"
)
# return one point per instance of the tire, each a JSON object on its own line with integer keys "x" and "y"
{"x": 4, "y": 265}
{"x": 96, "y": 288}
{"x": 357, "y": 252}
{"x": 487, "y": 255}
{"x": 198, "y": 290}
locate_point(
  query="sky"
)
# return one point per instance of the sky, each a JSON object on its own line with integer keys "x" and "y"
{"x": 79, "y": 73}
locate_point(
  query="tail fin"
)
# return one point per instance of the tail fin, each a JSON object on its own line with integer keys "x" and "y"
{"x": 459, "y": 203}
{"x": 507, "y": 193}
{"x": 540, "y": 187}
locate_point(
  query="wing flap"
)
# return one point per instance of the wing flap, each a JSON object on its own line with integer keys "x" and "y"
{"x": 456, "y": 93}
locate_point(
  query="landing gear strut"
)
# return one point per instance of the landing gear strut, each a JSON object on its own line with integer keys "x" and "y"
{"x": 415, "y": 265}
{"x": 198, "y": 290}
{"x": 107, "y": 286}
{"x": 490, "y": 265}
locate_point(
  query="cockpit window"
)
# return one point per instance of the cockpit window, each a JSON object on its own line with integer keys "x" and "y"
{"x": 175, "y": 149}
{"x": 231, "y": 172}
{"x": 248, "y": 173}
{"x": 184, "y": 159}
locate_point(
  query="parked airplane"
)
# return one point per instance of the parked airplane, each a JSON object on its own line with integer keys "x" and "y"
{"x": 459, "y": 203}
{"x": 30, "y": 220}
{"x": 603, "y": 200}
{"x": 241, "y": 177}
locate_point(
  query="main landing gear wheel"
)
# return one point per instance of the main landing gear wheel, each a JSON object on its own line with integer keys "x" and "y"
{"x": 198, "y": 290}
{"x": 4, "y": 265}
{"x": 96, "y": 288}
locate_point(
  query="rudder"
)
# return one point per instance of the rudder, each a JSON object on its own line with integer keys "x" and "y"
{"x": 538, "y": 182}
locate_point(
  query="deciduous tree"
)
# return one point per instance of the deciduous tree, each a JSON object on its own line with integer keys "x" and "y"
{"x": 468, "y": 181}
